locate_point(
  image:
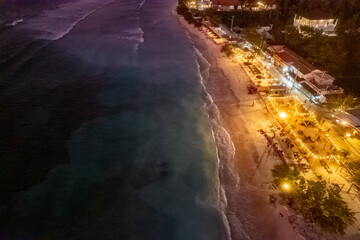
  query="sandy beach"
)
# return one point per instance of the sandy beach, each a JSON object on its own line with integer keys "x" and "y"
{"x": 244, "y": 173}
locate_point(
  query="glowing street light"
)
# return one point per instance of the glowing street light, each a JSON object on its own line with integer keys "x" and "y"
{"x": 344, "y": 123}
{"x": 283, "y": 115}
{"x": 348, "y": 134}
{"x": 286, "y": 186}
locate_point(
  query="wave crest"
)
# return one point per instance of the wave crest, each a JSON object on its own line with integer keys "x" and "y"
{"x": 56, "y": 23}
{"x": 135, "y": 34}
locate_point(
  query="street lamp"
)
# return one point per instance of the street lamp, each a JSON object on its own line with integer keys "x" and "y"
{"x": 286, "y": 187}
{"x": 348, "y": 134}
{"x": 283, "y": 115}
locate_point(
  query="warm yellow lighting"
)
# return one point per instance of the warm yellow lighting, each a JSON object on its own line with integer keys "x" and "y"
{"x": 283, "y": 114}
{"x": 348, "y": 134}
{"x": 312, "y": 115}
{"x": 286, "y": 186}
{"x": 344, "y": 123}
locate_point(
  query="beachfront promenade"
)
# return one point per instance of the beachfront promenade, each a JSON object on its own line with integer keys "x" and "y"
{"x": 312, "y": 139}
{"x": 256, "y": 112}
{"x": 265, "y": 133}
{"x": 252, "y": 159}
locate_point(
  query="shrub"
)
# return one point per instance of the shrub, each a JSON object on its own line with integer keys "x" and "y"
{"x": 227, "y": 49}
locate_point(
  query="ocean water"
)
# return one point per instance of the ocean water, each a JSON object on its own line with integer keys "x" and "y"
{"x": 105, "y": 132}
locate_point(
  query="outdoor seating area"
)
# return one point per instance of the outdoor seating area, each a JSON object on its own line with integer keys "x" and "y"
{"x": 255, "y": 69}
{"x": 306, "y": 129}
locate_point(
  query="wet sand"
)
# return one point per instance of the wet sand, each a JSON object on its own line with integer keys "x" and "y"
{"x": 246, "y": 175}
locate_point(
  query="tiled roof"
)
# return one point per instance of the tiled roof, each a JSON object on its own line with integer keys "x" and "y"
{"x": 291, "y": 58}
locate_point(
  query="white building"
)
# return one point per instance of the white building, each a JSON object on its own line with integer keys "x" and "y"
{"x": 320, "y": 78}
{"x": 226, "y": 5}
{"x": 316, "y": 83}
{"x": 233, "y": 5}
{"x": 317, "y": 19}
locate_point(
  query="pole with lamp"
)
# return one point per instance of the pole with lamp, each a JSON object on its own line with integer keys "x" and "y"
{"x": 232, "y": 23}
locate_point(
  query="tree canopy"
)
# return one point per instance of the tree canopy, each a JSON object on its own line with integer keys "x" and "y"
{"x": 339, "y": 55}
{"x": 315, "y": 199}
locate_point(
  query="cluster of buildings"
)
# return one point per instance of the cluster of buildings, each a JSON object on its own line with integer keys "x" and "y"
{"x": 316, "y": 84}
{"x": 316, "y": 19}
{"x": 228, "y": 5}
{"x": 231, "y": 5}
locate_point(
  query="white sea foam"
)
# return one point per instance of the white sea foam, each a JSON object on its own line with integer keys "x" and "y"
{"x": 132, "y": 34}
{"x": 141, "y": 4}
{"x": 56, "y": 23}
{"x": 227, "y": 149}
{"x": 14, "y": 23}
{"x": 220, "y": 192}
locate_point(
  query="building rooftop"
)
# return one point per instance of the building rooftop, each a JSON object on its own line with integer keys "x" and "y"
{"x": 306, "y": 86}
{"x": 292, "y": 58}
{"x": 226, "y": 2}
{"x": 316, "y": 14}
{"x": 322, "y": 75}
{"x": 320, "y": 78}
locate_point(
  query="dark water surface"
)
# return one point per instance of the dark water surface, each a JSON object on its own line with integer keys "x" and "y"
{"x": 104, "y": 134}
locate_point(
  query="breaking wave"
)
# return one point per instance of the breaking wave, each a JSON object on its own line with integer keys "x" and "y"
{"x": 225, "y": 152}
{"x": 141, "y": 4}
{"x": 55, "y": 24}
{"x": 213, "y": 114}
{"x": 135, "y": 34}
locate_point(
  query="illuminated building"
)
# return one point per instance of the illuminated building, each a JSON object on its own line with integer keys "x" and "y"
{"x": 314, "y": 83}
{"x": 317, "y": 19}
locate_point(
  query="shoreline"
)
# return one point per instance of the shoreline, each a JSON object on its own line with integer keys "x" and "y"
{"x": 214, "y": 116}
{"x": 245, "y": 183}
